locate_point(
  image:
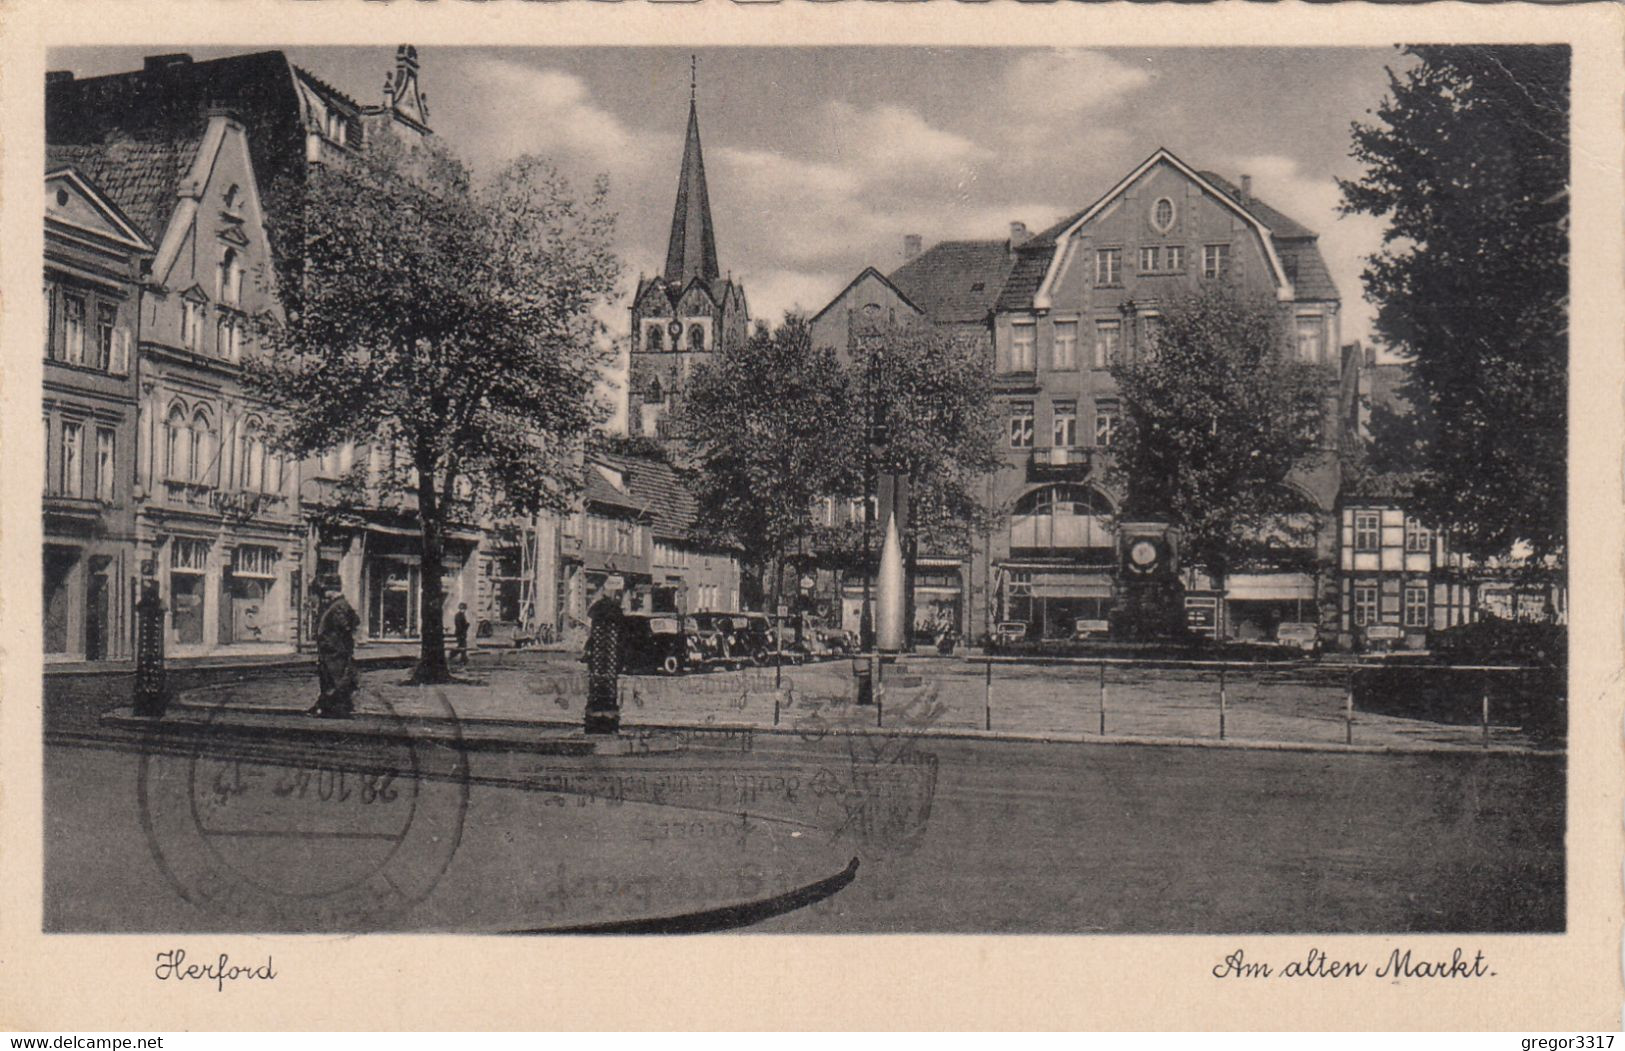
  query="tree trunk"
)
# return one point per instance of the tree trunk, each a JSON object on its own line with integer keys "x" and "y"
{"x": 431, "y": 667}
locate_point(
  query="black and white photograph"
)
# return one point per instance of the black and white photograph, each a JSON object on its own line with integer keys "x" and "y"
{"x": 808, "y": 489}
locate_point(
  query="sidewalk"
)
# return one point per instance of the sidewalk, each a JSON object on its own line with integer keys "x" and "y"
{"x": 942, "y": 696}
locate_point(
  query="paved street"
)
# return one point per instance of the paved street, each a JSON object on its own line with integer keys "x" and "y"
{"x": 950, "y": 834}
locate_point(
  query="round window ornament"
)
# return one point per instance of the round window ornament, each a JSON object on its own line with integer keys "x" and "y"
{"x": 675, "y": 328}
{"x": 1163, "y": 214}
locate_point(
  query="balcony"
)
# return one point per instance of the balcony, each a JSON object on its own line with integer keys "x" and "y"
{"x": 1054, "y": 462}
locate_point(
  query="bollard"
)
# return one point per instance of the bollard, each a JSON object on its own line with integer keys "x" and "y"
{"x": 1103, "y": 698}
{"x": 1348, "y": 712}
{"x": 880, "y": 711}
{"x": 1221, "y": 702}
{"x": 987, "y": 697}
{"x": 1485, "y": 715}
{"x": 775, "y": 709}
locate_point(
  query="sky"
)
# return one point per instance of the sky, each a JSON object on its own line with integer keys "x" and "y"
{"x": 820, "y": 160}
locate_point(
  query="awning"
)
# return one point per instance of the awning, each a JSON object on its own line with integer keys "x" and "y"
{"x": 1269, "y": 587}
{"x": 1071, "y": 585}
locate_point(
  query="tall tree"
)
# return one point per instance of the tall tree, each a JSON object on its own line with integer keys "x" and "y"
{"x": 451, "y": 323}
{"x": 771, "y": 422}
{"x": 1468, "y": 162}
{"x": 1216, "y": 419}
{"x": 927, "y": 391}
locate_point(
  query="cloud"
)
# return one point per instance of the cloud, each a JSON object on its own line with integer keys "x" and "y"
{"x": 1070, "y": 82}
{"x": 1345, "y": 241}
{"x": 894, "y": 142}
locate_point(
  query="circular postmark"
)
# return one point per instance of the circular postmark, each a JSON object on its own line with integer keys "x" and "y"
{"x": 307, "y": 827}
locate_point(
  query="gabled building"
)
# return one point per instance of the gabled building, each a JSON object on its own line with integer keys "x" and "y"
{"x": 1088, "y": 292}
{"x": 687, "y": 312}
{"x": 96, "y": 257}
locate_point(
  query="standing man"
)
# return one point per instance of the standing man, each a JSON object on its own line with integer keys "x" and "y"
{"x": 460, "y": 626}
{"x": 335, "y": 652}
{"x": 604, "y": 664}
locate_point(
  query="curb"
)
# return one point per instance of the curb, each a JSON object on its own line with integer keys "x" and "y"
{"x": 298, "y": 726}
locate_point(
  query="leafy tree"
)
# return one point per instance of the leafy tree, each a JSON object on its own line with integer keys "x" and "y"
{"x": 927, "y": 391}
{"x": 1467, "y": 160}
{"x": 1215, "y": 421}
{"x": 769, "y": 422}
{"x": 450, "y": 324}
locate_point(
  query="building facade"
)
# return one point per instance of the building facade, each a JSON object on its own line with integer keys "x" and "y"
{"x": 1086, "y": 293}
{"x": 687, "y": 312}
{"x": 95, "y": 261}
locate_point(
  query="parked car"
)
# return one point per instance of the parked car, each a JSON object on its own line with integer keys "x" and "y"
{"x": 1083, "y": 628}
{"x": 727, "y": 639}
{"x": 1010, "y": 632}
{"x": 655, "y": 642}
{"x": 1299, "y": 635}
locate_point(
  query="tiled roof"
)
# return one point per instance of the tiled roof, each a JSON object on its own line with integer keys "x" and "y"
{"x": 598, "y": 490}
{"x": 140, "y": 177}
{"x": 1295, "y": 243}
{"x": 955, "y": 281}
{"x": 653, "y": 488}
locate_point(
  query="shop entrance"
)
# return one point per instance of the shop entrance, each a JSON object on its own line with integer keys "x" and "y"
{"x": 96, "y": 612}
{"x": 59, "y": 564}
{"x": 392, "y": 599}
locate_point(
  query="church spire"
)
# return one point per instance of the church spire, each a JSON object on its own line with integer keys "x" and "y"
{"x": 692, "y": 250}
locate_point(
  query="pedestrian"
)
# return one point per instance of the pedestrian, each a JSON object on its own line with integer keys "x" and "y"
{"x": 335, "y": 652}
{"x": 460, "y": 626}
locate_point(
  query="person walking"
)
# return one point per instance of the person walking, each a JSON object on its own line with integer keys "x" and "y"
{"x": 460, "y": 628}
{"x": 335, "y": 652}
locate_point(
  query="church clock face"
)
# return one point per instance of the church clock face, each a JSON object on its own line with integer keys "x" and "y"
{"x": 1143, "y": 553}
{"x": 676, "y": 330}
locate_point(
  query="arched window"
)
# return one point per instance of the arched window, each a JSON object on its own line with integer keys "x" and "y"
{"x": 1063, "y": 500}
{"x": 229, "y": 281}
{"x": 250, "y": 456}
{"x": 178, "y": 445}
{"x": 202, "y": 446}
{"x": 654, "y": 391}
{"x": 657, "y": 338}
{"x": 696, "y": 337}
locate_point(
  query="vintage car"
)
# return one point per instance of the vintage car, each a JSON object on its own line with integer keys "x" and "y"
{"x": 656, "y": 643}
{"x": 1010, "y": 632}
{"x": 1381, "y": 638}
{"x": 1298, "y": 635}
{"x": 723, "y": 641}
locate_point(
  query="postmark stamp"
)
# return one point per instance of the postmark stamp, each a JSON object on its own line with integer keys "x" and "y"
{"x": 345, "y": 833}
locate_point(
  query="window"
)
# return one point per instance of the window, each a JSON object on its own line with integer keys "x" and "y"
{"x": 104, "y": 464}
{"x": 177, "y": 445}
{"x": 202, "y": 447}
{"x": 188, "y": 554}
{"x": 1365, "y": 604}
{"x": 1417, "y": 538}
{"x": 1063, "y": 500}
{"x": 1106, "y": 421}
{"x": 251, "y": 457}
{"x": 191, "y": 323}
{"x": 73, "y": 463}
{"x": 45, "y": 452}
{"x": 1150, "y": 329}
{"x": 1108, "y": 342}
{"x": 1215, "y": 260}
{"x": 1108, "y": 266}
{"x": 1162, "y": 215}
{"x": 1065, "y": 414}
{"x": 655, "y": 337}
{"x": 1367, "y": 530}
{"x": 1021, "y": 424}
{"x": 73, "y": 309}
{"x": 229, "y": 338}
{"x": 233, "y": 199}
{"x": 228, "y": 281}
{"x": 696, "y": 337}
{"x": 50, "y": 322}
{"x": 1311, "y": 332}
{"x": 1150, "y": 258}
{"x": 254, "y": 560}
{"x": 102, "y": 349}
{"x": 1023, "y": 339}
{"x": 1416, "y": 606}
{"x": 1174, "y": 257}
{"x": 118, "y": 361}
{"x": 1065, "y": 354}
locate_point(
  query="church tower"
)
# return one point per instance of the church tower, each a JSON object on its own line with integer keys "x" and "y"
{"x": 686, "y": 313}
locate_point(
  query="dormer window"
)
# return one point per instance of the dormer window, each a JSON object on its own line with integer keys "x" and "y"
{"x": 229, "y": 278}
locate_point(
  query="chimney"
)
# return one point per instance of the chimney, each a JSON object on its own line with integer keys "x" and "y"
{"x": 1018, "y": 234}
{"x": 1246, "y": 189}
{"x": 58, "y": 76}
{"x": 155, "y": 63}
{"x": 913, "y": 244}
